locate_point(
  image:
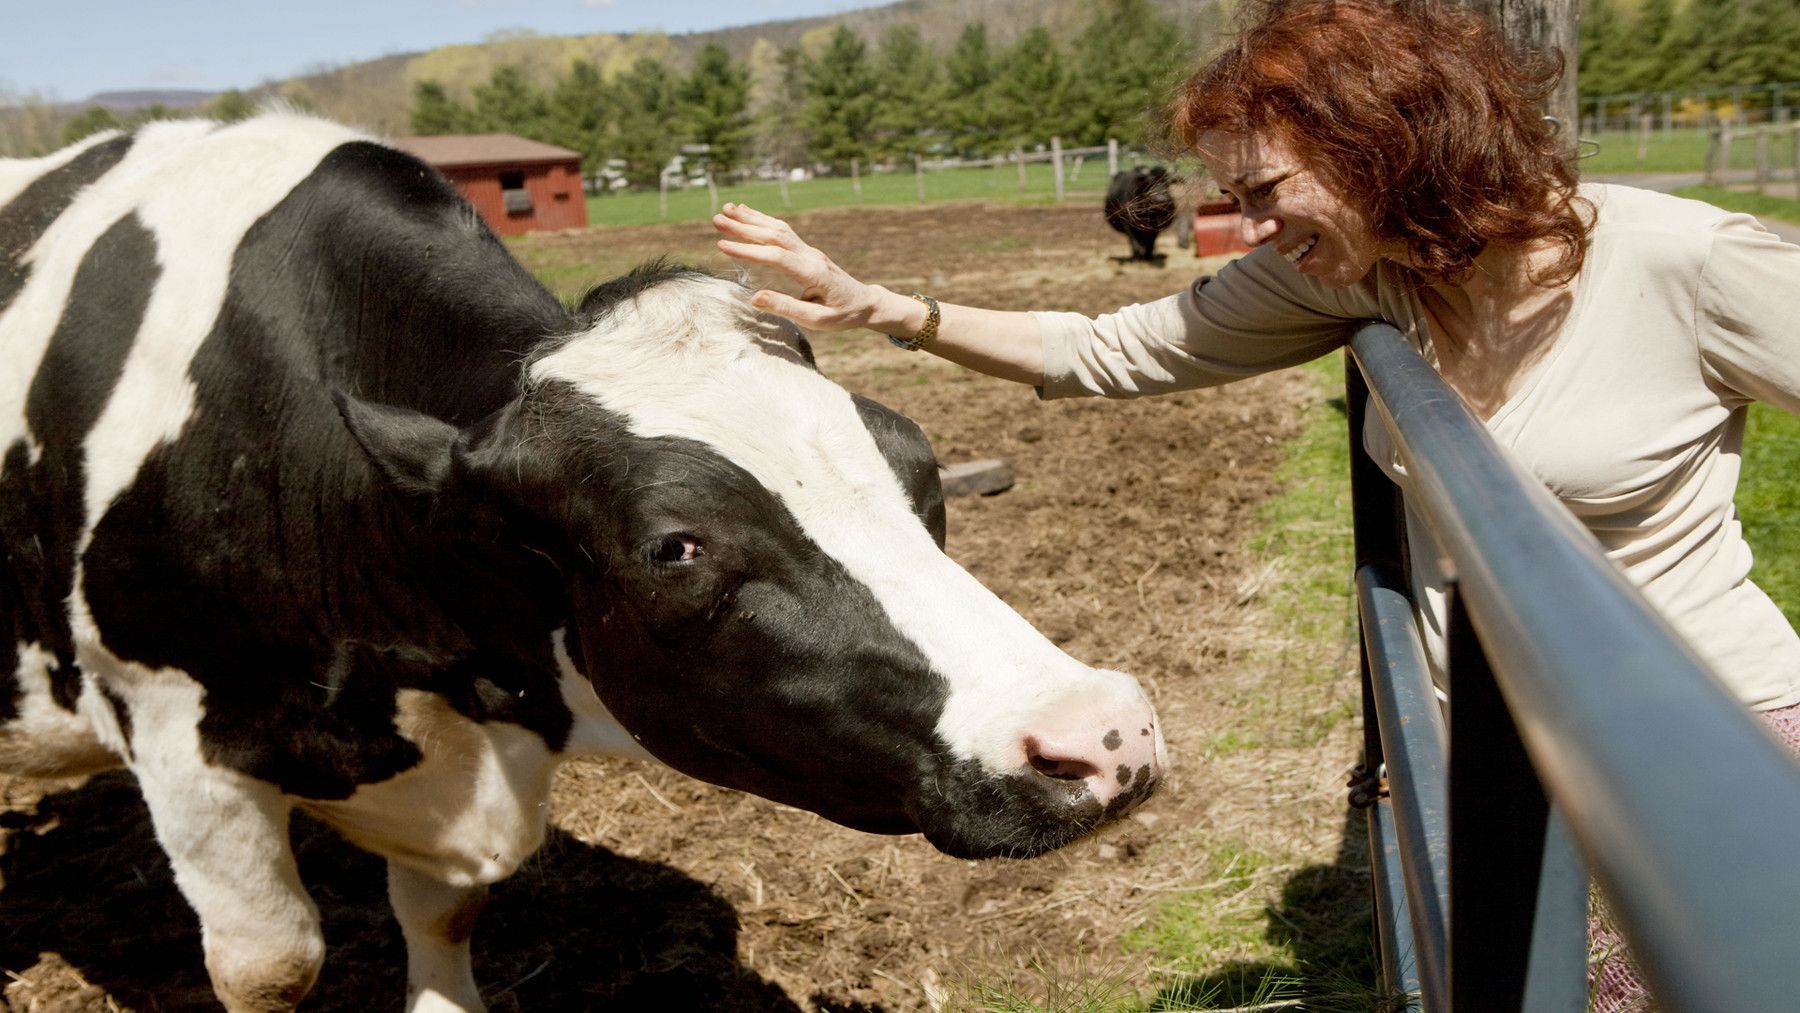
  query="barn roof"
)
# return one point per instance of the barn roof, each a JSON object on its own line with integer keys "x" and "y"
{"x": 482, "y": 149}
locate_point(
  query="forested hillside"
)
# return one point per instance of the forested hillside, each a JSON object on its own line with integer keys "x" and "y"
{"x": 1630, "y": 46}
{"x": 382, "y": 94}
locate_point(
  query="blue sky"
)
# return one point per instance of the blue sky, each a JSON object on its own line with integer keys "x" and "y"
{"x": 66, "y": 50}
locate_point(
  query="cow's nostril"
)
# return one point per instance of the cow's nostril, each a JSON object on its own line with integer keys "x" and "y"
{"x": 1062, "y": 770}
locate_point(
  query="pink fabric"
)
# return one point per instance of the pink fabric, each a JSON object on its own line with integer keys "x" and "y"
{"x": 1613, "y": 980}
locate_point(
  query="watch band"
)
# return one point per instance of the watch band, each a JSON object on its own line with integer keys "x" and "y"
{"x": 926, "y": 334}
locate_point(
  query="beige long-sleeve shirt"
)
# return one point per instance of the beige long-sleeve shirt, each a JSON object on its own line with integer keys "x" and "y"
{"x": 1683, "y": 315}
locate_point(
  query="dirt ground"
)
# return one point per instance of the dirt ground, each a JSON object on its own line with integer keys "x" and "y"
{"x": 1124, "y": 539}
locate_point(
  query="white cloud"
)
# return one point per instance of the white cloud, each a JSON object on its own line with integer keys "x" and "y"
{"x": 599, "y": 3}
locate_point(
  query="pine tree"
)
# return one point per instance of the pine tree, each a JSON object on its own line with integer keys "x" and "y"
{"x": 715, "y": 101}
{"x": 647, "y": 106}
{"x": 510, "y": 103}
{"x": 1603, "y": 50}
{"x": 1032, "y": 91}
{"x": 1768, "y": 42}
{"x": 580, "y": 111}
{"x": 909, "y": 92}
{"x": 1129, "y": 58}
{"x": 840, "y": 116}
{"x": 970, "y": 73}
{"x": 1697, "y": 52}
{"x": 435, "y": 112}
{"x": 781, "y": 123}
{"x": 1644, "y": 51}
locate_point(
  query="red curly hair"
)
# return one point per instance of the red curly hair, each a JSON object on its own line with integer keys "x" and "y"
{"x": 1413, "y": 109}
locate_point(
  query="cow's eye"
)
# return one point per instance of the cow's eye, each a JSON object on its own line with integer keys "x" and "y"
{"x": 675, "y": 548}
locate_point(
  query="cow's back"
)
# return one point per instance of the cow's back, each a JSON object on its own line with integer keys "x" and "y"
{"x": 177, "y": 492}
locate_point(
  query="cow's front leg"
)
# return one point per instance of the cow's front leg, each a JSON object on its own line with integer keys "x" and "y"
{"x": 437, "y": 920}
{"x": 227, "y": 839}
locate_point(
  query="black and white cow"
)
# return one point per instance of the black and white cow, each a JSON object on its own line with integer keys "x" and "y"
{"x": 1140, "y": 204}
{"x": 312, "y": 497}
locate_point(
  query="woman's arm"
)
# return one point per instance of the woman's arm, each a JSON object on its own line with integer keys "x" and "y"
{"x": 996, "y": 342}
{"x": 1748, "y": 300}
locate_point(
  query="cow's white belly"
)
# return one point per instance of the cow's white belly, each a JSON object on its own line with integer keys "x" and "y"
{"x": 476, "y": 806}
{"x": 469, "y": 813}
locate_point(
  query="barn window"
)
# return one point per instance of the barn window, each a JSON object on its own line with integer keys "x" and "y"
{"x": 513, "y": 195}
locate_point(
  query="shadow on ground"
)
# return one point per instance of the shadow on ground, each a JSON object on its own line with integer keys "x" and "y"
{"x": 1326, "y": 919}
{"x": 579, "y": 928}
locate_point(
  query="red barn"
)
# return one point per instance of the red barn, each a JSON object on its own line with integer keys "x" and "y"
{"x": 518, "y": 185}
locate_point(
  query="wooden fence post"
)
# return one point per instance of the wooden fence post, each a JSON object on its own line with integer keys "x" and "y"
{"x": 712, "y": 190}
{"x": 1019, "y": 159}
{"x": 1112, "y": 158}
{"x": 1643, "y": 145}
{"x": 1540, "y": 26}
{"x": 1056, "y": 160}
{"x": 781, "y": 176}
{"x": 856, "y": 177}
{"x": 1794, "y": 132}
{"x": 919, "y": 175}
{"x": 662, "y": 191}
{"x": 1762, "y": 157}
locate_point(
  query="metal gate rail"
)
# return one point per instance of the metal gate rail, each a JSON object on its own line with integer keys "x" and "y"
{"x": 1582, "y": 735}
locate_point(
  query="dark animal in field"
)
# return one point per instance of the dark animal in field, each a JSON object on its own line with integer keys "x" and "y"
{"x": 312, "y": 498}
{"x": 1140, "y": 203}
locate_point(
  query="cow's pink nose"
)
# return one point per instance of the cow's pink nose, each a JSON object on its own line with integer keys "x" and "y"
{"x": 1113, "y": 758}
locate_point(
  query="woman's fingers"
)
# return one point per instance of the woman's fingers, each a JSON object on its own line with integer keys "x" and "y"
{"x": 806, "y": 314}
{"x": 757, "y": 253}
{"x": 748, "y": 223}
{"x": 749, "y": 232}
{"x": 756, "y": 238}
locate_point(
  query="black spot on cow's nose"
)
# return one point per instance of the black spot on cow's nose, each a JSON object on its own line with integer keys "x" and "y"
{"x": 1124, "y": 774}
{"x": 1112, "y": 739}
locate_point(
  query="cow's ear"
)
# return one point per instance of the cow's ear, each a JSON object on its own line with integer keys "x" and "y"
{"x": 412, "y": 450}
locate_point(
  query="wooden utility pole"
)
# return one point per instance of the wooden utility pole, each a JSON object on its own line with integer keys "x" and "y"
{"x": 1543, "y": 25}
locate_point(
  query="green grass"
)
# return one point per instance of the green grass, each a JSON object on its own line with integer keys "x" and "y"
{"x": 1617, "y": 151}
{"x": 1307, "y": 528}
{"x": 1683, "y": 150}
{"x": 1769, "y": 504}
{"x": 1229, "y": 944}
{"x": 989, "y": 184}
{"x": 1762, "y": 205}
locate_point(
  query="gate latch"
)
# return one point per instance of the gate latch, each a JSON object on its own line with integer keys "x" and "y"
{"x": 1366, "y": 787}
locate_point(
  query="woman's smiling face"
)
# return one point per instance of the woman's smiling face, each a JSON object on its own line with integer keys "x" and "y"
{"x": 1286, "y": 205}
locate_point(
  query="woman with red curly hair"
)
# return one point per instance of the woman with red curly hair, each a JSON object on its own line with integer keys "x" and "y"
{"x": 1391, "y": 162}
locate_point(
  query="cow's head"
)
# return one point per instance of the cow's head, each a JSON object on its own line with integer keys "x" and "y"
{"x": 753, "y": 564}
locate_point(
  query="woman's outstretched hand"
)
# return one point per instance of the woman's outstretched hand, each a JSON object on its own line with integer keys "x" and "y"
{"x": 830, "y": 300}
